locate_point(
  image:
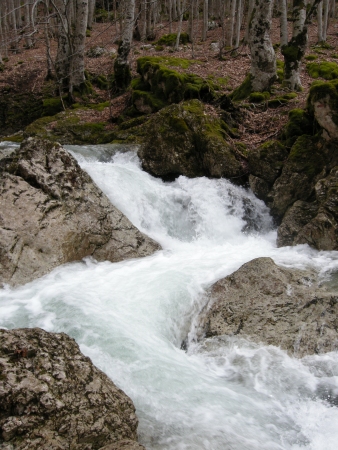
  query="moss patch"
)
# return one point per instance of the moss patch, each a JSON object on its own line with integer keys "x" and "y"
{"x": 305, "y": 156}
{"x": 166, "y": 85}
{"x": 281, "y": 100}
{"x": 18, "y": 110}
{"x": 325, "y": 69}
{"x": 170, "y": 39}
{"x": 300, "y": 123}
{"x": 67, "y": 128}
{"x": 324, "y": 90}
{"x": 243, "y": 91}
{"x": 259, "y": 97}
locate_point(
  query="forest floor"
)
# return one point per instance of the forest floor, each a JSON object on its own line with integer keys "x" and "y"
{"x": 26, "y": 70}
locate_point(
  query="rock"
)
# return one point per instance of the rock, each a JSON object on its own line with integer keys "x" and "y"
{"x": 295, "y": 219}
{"x": 67, "y": 127}
{"x": 53, "y": 397}
{"x": 323, "y": 103}
{"x": 18, "y": 109}
{"x": 276, "y": 306}
{"x": 314, "y": 223}
{"x": 52, "y": 213}
{"x": 184, "y": 140}
{"x": 214, "y": 46}
{"x": 96, "y": 52}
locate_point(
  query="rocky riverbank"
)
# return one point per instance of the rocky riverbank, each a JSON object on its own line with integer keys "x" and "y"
{"x": 53, "y": 213}
{"x": 274, "y": 305}
{"x": 53, "y": 397}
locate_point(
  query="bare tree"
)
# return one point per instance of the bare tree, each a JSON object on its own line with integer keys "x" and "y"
{"x": 294, "y": 50}
{"x": 122, "y": 66}
{"x": 263, "y": 58}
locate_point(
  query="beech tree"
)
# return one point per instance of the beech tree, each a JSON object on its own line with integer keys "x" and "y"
{"x": 122, "y": 65}
{"x": 294, "y": 50}
{"x": 263, "y": 58}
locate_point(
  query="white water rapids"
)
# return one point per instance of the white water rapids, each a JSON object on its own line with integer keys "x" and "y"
{"x": 131, "y": 318}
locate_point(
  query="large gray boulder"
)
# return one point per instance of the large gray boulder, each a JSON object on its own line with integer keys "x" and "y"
{"x": 53, "y": 397}
{"x": 274, "y": 305}
{"x": 51, "y": 213}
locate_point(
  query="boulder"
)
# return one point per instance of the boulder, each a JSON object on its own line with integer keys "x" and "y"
{"x": 323, "y": 103}
{"x": 183, "y": 139}
{"x": 275, "y": 306}
{"x": 52, "y": 213}
{"x": 53, "y": 397}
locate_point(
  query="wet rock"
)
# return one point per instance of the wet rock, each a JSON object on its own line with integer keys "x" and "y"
{"x": 52, "y": 213}
{"x": 274, "y": 305}
{"x": 314, "y": 223}
{"x": 184, "y": 140}
{"x": 53, "y": 397}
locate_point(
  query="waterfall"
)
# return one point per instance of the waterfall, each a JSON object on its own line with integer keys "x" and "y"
{"x": 130, "y": 318}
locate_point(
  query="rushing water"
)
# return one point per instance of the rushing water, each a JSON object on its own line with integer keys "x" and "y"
{"x": 131, "y": 318}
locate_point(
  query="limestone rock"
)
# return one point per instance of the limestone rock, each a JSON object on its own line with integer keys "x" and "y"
{"x": 52, "y": 213}
{"x": 182, "y": 139}
{"x": 275, "y": 306}
{"x": 53, "y": 397}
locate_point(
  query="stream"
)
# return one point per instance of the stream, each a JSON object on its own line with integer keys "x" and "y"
{"x": 131, "y": 317}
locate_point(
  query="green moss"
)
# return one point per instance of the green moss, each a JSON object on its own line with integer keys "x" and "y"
{"x": 52, "y": 106}
{"x": 280, "y": 70}
{"x": 169, "y": 85}
{"x": 122, "y": 75}
{"x": 159, "y": 48}
{"x": 243, "y": 91}
{"x": 18, "y": 110}
{"x": 170, "y": 39}
{"x": 146, "y": 102}
{"x": 259, "y": 97}
{"x": 18, "y": 137}
{"x": 299, "y": 123}
{"x": 133, "y": 122}
{"x": 305, "y": 157}
{"x": 68, "y": 129}
{"x": 334, "y": 55}
{"x": 101, "y": 81}
{"x": 325, "y": 69}
{"x": 281, "y": 100}
{"x": 311, "y": 57}
{"x": 328, "y": 90}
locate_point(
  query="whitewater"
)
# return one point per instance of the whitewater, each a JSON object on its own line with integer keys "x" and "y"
{"x": 137, "y": 319}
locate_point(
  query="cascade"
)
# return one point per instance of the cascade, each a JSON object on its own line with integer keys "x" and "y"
{"x": 131, "y": 317}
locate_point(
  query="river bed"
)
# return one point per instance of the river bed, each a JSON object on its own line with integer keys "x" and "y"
{"x": 132, "y": 317}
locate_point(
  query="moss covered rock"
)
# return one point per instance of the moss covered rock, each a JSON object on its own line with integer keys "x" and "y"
{"x": 266, "y": 161}
{"x": 324, "y": 69}
{"x": 184, "y": 140}
{"x": 67, "y": 128}
{"x": 18, "y": 110}
{"x": 167, "y": 85}
{"x": 323, "y": 104}
{"x": 300, "y": 122}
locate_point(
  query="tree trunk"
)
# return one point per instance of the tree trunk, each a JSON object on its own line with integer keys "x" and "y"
{"x": 283, "y": 9}
{"x": 263, "y": 59}
{"x": 294, "y": 51}
{"x": 121, "y": 66}
{"x": 49, "y": 75}
{"x": 91, "y": 12}
{"x": 28, "y": 28}
{"x": 326, "y": 8}
{"x": 238, "y": 23}
{"x": 77, "y": 76}
{"x": 230, "y": 33}
{"x": 181, "y": 8}
{"x": 205, "y": 20}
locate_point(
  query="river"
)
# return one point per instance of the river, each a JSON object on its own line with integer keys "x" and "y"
{"x": 131, "y": 318}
